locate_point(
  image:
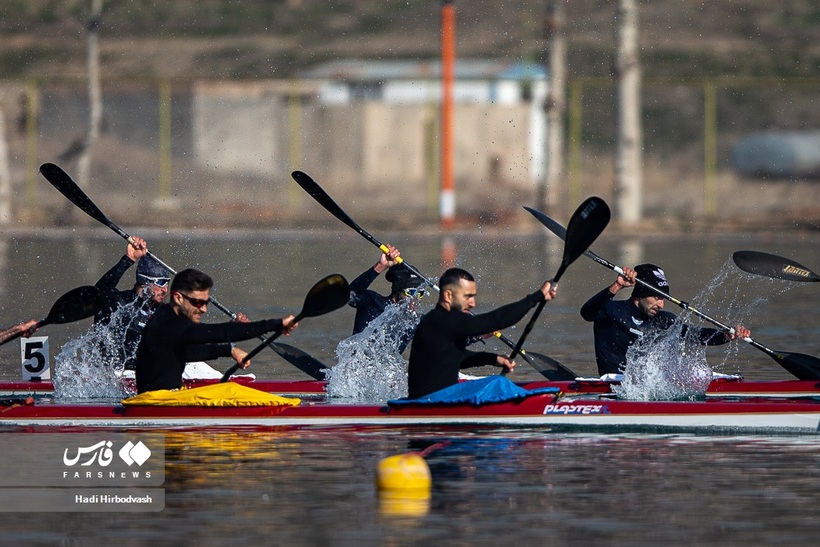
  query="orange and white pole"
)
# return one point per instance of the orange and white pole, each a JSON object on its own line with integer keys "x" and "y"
{"x": 447, "y": 200}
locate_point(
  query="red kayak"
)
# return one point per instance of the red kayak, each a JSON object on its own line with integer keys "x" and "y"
{"x": 723, "y": 387}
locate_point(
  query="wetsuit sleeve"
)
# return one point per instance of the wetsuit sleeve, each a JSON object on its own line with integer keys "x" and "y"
{"x": 478, "y": 359}
{"x": 593, "y": 308}
{"x": 228, "y": 332}
{"x": 359, "y": 285}
{"x": 109, "y": 280}
{"x": 499, "y": 318}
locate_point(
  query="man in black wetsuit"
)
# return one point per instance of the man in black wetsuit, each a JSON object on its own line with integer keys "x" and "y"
{"x": 439, "y": 347}
{"x": 175, "y": 334}
{"x": 369, "y": 304}
{"x": 617, "y": 324}
{"x": 147, "y": 293}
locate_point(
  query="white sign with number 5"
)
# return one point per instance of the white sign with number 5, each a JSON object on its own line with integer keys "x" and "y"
{"x": 34, "y": 356}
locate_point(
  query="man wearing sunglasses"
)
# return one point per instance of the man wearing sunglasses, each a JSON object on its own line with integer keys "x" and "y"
{"x": 148, "y": 292}
{"x": 369, "y": 304}
{"x": 175, "y": 334}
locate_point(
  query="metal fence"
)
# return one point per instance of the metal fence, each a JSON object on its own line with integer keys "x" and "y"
{"x": 211, "y": 153}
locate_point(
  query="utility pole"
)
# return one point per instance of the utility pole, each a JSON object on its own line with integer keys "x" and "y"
{"x": 94, "y": 92}
{"x": 629, "y": 158}
{"x": 556, "y": 104}
{"x": 447, "y": 200}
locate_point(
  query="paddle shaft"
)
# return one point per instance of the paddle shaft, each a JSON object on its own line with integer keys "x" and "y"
{"x": 778, "y": 356}
{"x": 323, "y": 198}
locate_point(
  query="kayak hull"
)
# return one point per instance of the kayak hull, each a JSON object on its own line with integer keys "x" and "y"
{"x": 544, "y": 411}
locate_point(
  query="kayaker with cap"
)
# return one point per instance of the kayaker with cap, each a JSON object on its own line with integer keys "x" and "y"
{"x": 617, "y": 324}
{"x": 369, "y": 304}
{"x": 439, "y": 347}
{"x": 148, "y": 292}
{"x": 175, "y": 334}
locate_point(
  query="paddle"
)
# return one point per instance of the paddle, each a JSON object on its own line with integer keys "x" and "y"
{"x": 804, "y": 367}
{"x": 318, "y": 193}
{"x": 74, "y": 305}
{"x": 769, "y": 265}
{"x": 66, "y": 186}
{"x": 585, "y": 225}
{"x": 327, "y": 295}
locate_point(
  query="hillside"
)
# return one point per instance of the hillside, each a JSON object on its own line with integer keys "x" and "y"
{"x": 276, "y": 38}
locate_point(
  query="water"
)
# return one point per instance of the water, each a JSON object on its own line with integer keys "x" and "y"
{"x": 312, "y": 486}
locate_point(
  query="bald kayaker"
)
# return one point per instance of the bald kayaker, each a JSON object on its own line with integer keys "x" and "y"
{"x": 175, "y": 334}
{"x": 369, "y": 304}
{"x": 617, "y": 324}
{"x": 439, "y": 348}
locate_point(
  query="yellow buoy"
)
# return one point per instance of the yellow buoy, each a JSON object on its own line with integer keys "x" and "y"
{"x": 403, "y": 472}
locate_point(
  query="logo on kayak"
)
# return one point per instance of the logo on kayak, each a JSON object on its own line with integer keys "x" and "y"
{"x": 575, "y": 409}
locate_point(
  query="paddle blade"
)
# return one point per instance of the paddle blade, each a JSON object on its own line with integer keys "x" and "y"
{"x": 586, "y": 224}
{"x": 330, "y": 293}
{"x": 317, "y": 192}
{"x": 74, "y": 305}
{"x": 803, "y": 367}
{"x": 769, "y": 265}
{"x": 64, "y": 184}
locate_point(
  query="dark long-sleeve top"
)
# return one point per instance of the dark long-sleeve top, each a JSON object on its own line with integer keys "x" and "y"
{"x": 370, "y": 304}
{"x": 169, "y": 340}
{"x": 113, "y": 299}
{"x": 617, "y": 324}
{"x": 439, "y": 347}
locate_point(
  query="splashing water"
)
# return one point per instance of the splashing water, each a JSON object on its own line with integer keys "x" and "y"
{"x": 91, "y": 366}
{"x": 668, "y": 366}
{"x": 665, "y": 366}
{"x": 370, "y": 367}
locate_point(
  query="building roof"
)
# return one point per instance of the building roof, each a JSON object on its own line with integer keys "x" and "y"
{"x": 465, "y": 69}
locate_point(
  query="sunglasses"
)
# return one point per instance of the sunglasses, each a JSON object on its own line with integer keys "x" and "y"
{"x": 195, "y": 302}
{"x": 158, "y": 281}
{"x": 417, "y": 292}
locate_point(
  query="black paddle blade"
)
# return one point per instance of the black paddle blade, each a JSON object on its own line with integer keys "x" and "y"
{"x": 586, "y": 224}
{"x": 803, "y": 367}
{"x": 317, "y": 192}
{"x": 549, "y": 367}
{"x": 769, "y": 265}
{"x": 302, "y": 360}
{"x": 64, "y": 184}
{"x": 74, "y": 305}
{"x": 329, "y": 294}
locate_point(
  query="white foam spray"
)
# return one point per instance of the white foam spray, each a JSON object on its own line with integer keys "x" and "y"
{"x": 370, "y": 367}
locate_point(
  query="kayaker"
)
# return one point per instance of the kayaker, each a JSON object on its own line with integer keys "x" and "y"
{"x": 369, "y": 304}
{"x": 27, "y": 328}
{"x": 439, "y": 348}
{"x": 617, "y": 324}
{"x": 148, "y": 292}
{"x": 175, "y": 334}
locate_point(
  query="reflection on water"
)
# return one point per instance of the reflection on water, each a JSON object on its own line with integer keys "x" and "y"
{"x": 316, "y": 487}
